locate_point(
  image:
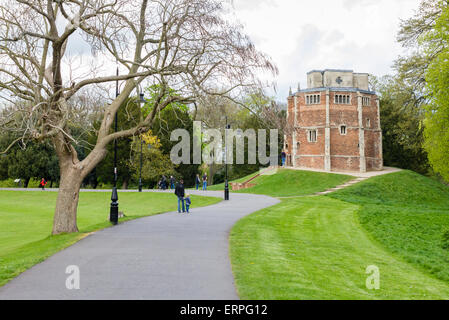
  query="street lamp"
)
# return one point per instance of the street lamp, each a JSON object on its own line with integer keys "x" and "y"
{"x": 226, "y": 191}
{"x": 113, "y": 214}
{"x": 141, "y": 102}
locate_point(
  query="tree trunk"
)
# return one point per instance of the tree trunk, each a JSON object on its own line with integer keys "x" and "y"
{"x": 67, "y": 201}
{"x": 212, "y": 171}
{"x": 72, "y": 172}
{"x": 125, "y": 184}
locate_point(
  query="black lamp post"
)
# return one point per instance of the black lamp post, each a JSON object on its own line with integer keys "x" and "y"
{"x": 113, "y": 214}
{"x": 141, "y": 101}
{"x": 226, "y": 191}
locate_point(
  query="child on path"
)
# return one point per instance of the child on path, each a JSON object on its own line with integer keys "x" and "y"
{"x": 188, "y": 202}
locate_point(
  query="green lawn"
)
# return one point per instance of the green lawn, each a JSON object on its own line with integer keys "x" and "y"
{"x": 26, "y": 222}
{"x": 407, "y": 213}
{"x": 315, "y": 249}
{"x": 319, "y": 247}
{"x": 288, "y": 183}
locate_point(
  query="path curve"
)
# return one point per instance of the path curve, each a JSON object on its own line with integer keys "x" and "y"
{"x": 168, "y": 256}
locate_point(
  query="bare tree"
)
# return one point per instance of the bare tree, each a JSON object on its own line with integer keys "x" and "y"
{"x": 186, "y": 45}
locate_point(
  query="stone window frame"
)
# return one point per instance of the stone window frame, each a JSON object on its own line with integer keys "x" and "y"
{"x": 342, "y": 99}
{"x": 309, "y": 136}
{"x": 341, "y": 131}
{"x": 366, "y": 101}
{"x": 313, "y": 99}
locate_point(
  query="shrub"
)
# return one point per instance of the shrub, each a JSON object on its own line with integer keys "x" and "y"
{"x": 8, "y": 184}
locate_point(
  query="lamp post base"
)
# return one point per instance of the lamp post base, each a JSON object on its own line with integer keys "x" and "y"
{"x": 226, "y": 191}
{"x": 113, "y": 214}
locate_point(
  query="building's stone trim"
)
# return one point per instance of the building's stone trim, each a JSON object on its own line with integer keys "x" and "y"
{"x": 327, "y": 150}
{"x": 310, "y": 156}
{"x": 361, "y": 134}
{"x": 380, "y": 143}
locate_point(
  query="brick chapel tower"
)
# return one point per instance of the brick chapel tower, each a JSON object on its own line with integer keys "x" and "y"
{"x": 336, "y": 123}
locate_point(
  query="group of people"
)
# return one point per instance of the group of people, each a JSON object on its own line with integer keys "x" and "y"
{"x": 184, "y": 201}
{"x": 164, "y": 184}
{"x": 198, "y": 181}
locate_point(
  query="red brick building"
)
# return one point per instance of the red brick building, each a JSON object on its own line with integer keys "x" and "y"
{"x": 336, "y": 123}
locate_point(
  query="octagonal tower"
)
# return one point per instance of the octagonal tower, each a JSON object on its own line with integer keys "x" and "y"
{"x": 336, "y": 123}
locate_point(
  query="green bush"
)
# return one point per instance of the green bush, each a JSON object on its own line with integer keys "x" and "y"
{"x": 34, "y": 183}
{"x": 8, "y": 184}
{"x": 102, "y": 186}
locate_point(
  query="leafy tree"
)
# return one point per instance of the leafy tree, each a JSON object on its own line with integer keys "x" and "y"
{"x": 407, "y": 96}
{"x": 34, "y": 161}
{"x": 402, "y": 126}
{"x": 128, "y": 116}
{"x": 155, "y": 163}
{"x": 411, "y": 69}
{"x": 437, "y": 116}
{"x": 175, "y": 116}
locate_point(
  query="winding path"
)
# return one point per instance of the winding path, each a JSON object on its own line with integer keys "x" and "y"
{"x": 168, "y": 256}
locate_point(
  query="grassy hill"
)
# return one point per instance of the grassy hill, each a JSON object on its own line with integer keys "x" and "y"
{"x": 320, "y": 247}
{"x": 287, "y": 183}
{"x": 408, "y": 214}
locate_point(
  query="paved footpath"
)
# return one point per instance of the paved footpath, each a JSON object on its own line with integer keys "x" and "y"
{"x": 168, "y": 256}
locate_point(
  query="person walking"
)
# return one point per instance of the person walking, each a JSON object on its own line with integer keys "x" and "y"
{"x": 42, "y": 184}
{"x": 197, "y": 181}
{"x": 180, "y": 193}
{"x": 172, "y": 183}
{"x": 205, "y": 182}
{"x": 283, "y": 157}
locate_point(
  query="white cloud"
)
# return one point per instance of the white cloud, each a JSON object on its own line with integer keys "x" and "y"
{"x": 305, "y": 35}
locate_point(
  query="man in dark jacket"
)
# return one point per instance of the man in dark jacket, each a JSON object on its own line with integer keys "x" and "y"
{"x": 180, "y": 193}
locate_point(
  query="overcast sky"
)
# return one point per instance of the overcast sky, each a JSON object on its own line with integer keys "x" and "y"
{"x": 303, "y": 35}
